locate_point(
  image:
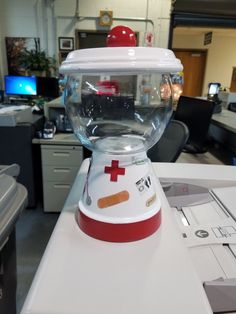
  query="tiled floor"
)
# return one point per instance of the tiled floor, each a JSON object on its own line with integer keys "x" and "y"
{"x": 34, "y": 228}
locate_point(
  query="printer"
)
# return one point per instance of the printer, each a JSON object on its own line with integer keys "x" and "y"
{"x": 12, "y": 115}
{"x": 207, "y": 222}
{"x": 13, "y": 200}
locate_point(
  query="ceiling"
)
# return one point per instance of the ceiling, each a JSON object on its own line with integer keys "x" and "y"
{"x": 185, "y": 30}
{"x": 224, "y": 8}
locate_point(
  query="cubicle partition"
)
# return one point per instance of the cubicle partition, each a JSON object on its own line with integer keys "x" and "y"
{"x": 17, "y": 147}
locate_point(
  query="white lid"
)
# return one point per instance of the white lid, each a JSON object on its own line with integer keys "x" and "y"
{"x": 121, "y": 59}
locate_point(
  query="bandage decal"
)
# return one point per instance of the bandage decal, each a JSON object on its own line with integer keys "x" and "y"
{"x": 113, "y": 199}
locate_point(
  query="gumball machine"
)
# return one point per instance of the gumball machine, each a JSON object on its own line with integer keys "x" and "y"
{"x": 119, "y": 101}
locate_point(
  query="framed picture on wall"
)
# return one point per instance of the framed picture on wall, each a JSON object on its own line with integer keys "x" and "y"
{"x": 14, "y": 47}
{"x": 66, "y": 43}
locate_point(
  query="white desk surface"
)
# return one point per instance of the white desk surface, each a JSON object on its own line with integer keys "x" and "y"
{"x": 81, "y": 275}
{"x": 225, "y": 119}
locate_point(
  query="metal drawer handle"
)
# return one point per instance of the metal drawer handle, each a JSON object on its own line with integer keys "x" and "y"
{"x": 62, "y": 186}
{"x": 61, "y": 154}
{"x": 61, "y": 170}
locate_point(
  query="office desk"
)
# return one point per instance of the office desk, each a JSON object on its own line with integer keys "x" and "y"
{"x": 59, "y": 139}
{"x": 226, "y": 119}
{"x": 81, "y": 275}
{"x": 223, "y": 129}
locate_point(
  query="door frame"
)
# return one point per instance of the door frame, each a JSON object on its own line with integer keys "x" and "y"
{"x": 196, "y": 50}
{"x": 78, "y": 31}
{"x": 98, "y": 31}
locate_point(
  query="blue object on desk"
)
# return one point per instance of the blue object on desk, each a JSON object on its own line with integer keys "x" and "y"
{"x": 234, "y": 161}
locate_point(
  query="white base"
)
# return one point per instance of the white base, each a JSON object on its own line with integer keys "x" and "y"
{"x": 127, "y": 197}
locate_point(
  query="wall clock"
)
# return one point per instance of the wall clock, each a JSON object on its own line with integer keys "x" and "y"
{"x": 106, "y": 18}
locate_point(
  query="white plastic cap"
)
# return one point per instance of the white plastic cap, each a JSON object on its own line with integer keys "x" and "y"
{"x": 121, "y": 59}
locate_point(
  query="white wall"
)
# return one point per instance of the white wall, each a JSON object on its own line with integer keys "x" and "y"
{"x": 220, "y": 57}
{"x": 22, "y": 18}
{"x": 156, "y": 10}
{"x": 50, "y": 19}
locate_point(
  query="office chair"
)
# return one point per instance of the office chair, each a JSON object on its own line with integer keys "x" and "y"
{"x": 196, "y": 113}
{"x": 170, "y": 145}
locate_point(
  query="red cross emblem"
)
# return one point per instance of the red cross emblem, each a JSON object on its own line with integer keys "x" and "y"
{"x": 114, "y": 170}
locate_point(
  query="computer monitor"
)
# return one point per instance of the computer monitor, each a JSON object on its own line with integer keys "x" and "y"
{"x": 213, "y": 89}
{"x": 48, "y": 87}
{"x": 196, "y": 113}
{"x": 20, "y": 85}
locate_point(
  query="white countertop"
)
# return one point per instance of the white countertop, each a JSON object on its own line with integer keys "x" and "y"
{"x": 81, "y": 275}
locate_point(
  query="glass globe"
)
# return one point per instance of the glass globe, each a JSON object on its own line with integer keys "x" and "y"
{"x": 119, "y": 100}
{"x": 118, "y": 112}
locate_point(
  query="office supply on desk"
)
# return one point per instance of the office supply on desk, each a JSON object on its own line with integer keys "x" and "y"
{"x": 196, "y": 113}
{"x": 55, "y": 111}
{"x": 207, "y": 220}
{"x": 13, "y": 115}
{"x": 63, "y": 123}
{"x": 49, "y": 129}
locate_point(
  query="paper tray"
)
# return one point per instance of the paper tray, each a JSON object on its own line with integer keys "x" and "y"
{"x": 13, "y": 199}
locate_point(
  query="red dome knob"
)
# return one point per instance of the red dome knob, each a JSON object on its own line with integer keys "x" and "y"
{"x": 121, "y": 36}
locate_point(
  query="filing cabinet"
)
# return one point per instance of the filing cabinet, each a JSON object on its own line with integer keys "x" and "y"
{"x": 60, "y": 164}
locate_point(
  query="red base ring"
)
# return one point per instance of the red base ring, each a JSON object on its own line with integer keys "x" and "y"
{"x": 126, "y": 232}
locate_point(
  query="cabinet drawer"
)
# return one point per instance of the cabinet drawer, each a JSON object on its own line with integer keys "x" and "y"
{"x": 59, "y": 173}
{"x": 54, "y": 196}
{"x": 62, "y": 155}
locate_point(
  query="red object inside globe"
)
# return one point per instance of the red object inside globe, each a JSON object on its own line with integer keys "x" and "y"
{"x": 121, "y": 36}
{"x": 108, "y": 88}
